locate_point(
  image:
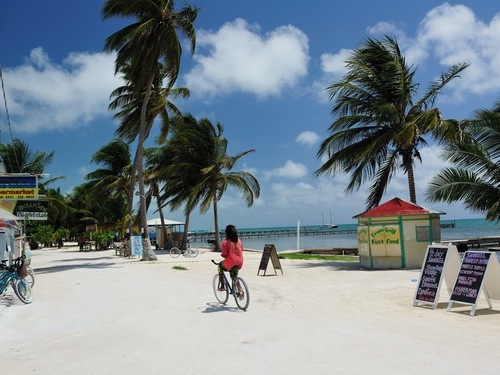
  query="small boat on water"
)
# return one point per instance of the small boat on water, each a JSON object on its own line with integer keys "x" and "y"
{"x": 328, "y": 225}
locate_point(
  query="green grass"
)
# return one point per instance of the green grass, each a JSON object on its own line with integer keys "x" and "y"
{"x": 342, "y": 258}
{"x": 180, "y": 268}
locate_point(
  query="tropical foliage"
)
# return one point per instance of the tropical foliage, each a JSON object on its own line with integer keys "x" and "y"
{"x": 197, "y": 169}
{"x": 380, "y": 123}
{"x": 474, "y": 178}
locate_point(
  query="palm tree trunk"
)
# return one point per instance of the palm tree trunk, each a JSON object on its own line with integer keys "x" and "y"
{"x": 411, "y": 184}
{"x": 163, "y": 244}
{"x": 186, "y": 229}
{"x": 130, "y": 198}
{"x": 148, "y": 253}
{"x": 216, "y": 224}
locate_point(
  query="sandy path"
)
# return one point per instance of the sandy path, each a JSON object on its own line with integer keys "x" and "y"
{"x": 96, "y": 313}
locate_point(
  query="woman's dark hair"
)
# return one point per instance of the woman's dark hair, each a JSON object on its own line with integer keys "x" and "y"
{"x": 231, "y": 233}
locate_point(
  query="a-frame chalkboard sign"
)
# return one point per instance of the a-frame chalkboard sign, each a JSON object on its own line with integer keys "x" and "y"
{"x": 269, "y": 253}
{"x": 440, "y": 262}
{"x": 480, "y": 270}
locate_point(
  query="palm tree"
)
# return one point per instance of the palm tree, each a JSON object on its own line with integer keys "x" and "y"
{"x": 198, "y": 169}
{"x": 380, "y": 124}
{"x": 140, "y": 46}
{"x": 475, "y": 177}
{"x": 113, "y": 179}
{"x": 110, "y": 185}
{"x": 17, "y": 157}
{"x": 159, "y": 105}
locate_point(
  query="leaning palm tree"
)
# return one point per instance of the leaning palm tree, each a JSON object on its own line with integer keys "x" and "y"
{"x": 200, "y": 170}
{"x": 140, "y": 46}
{"x": 380, "y": 124}
{"x": 475, "y": 177}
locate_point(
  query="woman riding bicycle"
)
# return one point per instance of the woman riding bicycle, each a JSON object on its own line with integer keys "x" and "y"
{"x": 232, "y": 252}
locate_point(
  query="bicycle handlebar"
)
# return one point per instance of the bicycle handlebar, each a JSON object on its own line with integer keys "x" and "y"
{"x": 18, "y": 262}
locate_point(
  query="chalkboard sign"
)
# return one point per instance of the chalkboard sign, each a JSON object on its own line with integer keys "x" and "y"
{"x": 269, "y": 253}
{"x": 431, "y": 275}
{"x": 470, "y": 277}
{"x": 440, "y": 262}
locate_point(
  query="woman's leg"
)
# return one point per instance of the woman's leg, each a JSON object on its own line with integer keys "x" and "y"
{"x": 222, "y": 287}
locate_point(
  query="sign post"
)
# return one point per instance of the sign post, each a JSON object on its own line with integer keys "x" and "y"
{"x": 480, "y": 270}
{"x": 136, "y": 245}
{"x": 269, "y": 253}
{"x": 441, "y": 261}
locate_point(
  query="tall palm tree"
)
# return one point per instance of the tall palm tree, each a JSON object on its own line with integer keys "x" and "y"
{"x": 140, "y": 46}
{"x": 198, "y": 169}
{"x": 380, "y": 124}
{"x": 475, "y": 177}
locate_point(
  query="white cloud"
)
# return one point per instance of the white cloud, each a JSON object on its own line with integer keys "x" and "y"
{"x": 308, "y": 138}
{"x": 334, "y": 64}
{"x": 453, "y": 34}
{"x": 449, "y": 34}
{"x": 239, "y": 58}
{"x": 45, "y": 96}
{"x": 291, "y": 170}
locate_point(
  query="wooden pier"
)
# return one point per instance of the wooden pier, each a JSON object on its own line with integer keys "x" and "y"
{"x": 448, "y": 225}
{"x": 203, "y": 236}
{"x": 252, "y": 234}
{"x": 465, "y": 243}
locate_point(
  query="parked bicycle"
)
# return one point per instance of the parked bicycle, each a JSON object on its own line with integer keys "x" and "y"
{"x": 212, "y": 244}
{"x": 189, "y": 252}
{"x": 237, "y": 288}
{"x": 9, "y": 275}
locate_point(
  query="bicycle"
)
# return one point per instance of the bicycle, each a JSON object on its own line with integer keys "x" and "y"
{"x": 189, "y": 252}
{"x": 212, "y": 244}
{"x": 9, "y": 275}
{"x": 237, "y": 288}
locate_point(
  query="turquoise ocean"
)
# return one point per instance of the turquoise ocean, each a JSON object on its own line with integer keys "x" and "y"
{"x": 464, "y": 228}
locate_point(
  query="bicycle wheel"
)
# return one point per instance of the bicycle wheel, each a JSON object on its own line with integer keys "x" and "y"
{"x": 222, "y": 296}
{"x": 194, "y": 252}
{"x": 175, "y": 252}
{"x": 23, "y": 290}
{"x": 241, "y": 297}
{"x": 31, "y": 277}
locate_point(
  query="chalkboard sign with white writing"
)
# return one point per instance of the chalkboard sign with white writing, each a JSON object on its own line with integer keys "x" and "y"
{"x": 431, "y": 275}
{"x": 470, "y": 277}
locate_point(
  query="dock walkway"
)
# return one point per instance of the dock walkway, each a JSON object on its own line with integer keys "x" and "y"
{"x": 202, "y": 237}
{"x": 477, "y": 242}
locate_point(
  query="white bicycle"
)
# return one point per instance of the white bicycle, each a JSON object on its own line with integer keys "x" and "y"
{"x": 190, "y": 252}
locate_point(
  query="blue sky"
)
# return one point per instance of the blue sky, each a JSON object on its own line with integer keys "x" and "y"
{"x": 260, "y": 69}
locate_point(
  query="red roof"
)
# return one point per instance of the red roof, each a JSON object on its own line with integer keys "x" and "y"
{"x": 395, "y": 207}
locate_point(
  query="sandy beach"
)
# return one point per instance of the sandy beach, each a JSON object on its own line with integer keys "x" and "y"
{"x": 98, "y": 313}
